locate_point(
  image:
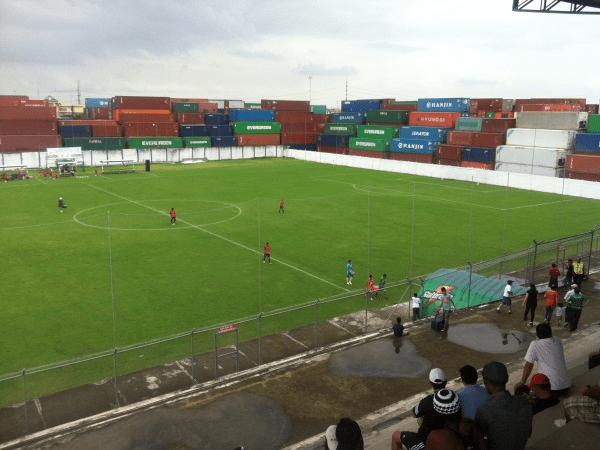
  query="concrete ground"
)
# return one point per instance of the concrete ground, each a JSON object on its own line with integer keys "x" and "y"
{"x": 289, "y": 402}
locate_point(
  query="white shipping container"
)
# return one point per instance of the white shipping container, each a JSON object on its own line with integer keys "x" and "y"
{"x": 552, "y": 120}
{"x": 541, "y": 138}
{"x": 220, "y": 103}
{"x": 531, "y": 170}
{"x": 236, "y": 104}
{"x": 508, "y": 104}
{"x": 534, "y": 156}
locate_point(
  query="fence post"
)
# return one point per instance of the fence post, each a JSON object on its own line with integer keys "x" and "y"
{"x": 116, "y": 385}
{"x": 534, "y": 261}
{"x": 591, "y": 249}
{"x": 317, "y": 323}
{"x": 216, "y": 356}
{"x": 366, "y": 310}
{"x": 193, "y": 373}
{"x": 259, "y": 340}
{"x": 25, "y": 404}
{"x": 470, "y": 277}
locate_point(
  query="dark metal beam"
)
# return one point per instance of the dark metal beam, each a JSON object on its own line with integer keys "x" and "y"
{"x": 548, "y": 6}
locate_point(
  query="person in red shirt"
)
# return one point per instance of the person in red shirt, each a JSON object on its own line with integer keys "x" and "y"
{"x": 281, "y": 207}
{"x": 267, "y": 253}
{"x": 554, "y": 274}
{"x": 173, "y": 216}
{"x": 551, "y": 299}
{"x": 370, "y": 287}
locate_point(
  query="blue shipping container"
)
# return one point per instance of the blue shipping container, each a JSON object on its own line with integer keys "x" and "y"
{"x": 334, "y": 140}
{"x": 444, "y": 104}
{"x": 479, "y": 154}
{"x": 220, "y": 131}
{"x": 307, "y": 147}
{"x": 587, "y": 143}
{"x": 216, "y": 119}
{"x": 419, "y": 146}
{"x": 193, "y": 130}
{"x": 72, "y": 131}
{"x": 252, "y": 115}
{"x": 224, "y": 141}
{"x": 96, "y": 102}
{"x": 425, "y": 133}
{"x": 352, "y": 117}
{"x": 360, "y": 105}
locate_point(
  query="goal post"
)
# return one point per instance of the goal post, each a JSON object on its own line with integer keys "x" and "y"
{"x": 117, "y": 166}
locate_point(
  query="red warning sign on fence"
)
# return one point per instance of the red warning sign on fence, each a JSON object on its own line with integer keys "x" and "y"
{"x": 227, "y": 328}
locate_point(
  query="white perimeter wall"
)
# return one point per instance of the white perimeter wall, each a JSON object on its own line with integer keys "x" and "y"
{"x": 576, "y": 188}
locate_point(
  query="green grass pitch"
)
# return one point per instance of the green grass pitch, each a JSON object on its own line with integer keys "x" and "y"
{"x": 58, "y": 288}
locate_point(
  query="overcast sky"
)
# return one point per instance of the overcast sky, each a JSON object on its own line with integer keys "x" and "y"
{"x": 259, "y": 49}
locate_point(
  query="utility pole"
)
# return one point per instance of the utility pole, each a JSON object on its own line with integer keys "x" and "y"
{"x": 78, "y": 94}
{"x": 346, "y": 88}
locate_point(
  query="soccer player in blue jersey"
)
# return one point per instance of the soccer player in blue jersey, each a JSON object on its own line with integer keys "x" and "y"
{"x": 349, "y": 272}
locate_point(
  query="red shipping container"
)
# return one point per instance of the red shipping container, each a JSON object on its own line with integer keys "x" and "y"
{"x": 294, "y": 116}
{"x": 99, "y": 113}
{"x": 29, "y": 143}
{"x": 88, "y": 122}
{"x": 147, "y": 129}
{"x": 23, "y": 113}
{"x": 504, "y": 115}
{"x": 208, "y": 107}
{"x": 127, "y": 118}
{"x": 550, "y": 107}
{"x": 320, "y": 128}
{"x": 286, "y": 105}
{"x": 16, "y": 97}
{"x": 28, "y": 127}
{"x": 497, "y": 125}
{"x": 450, "y": 152}
{"x": 126, "y": 114}
{"x": 585, "y": 176}
{"x": 190, "y": 118}
{"x": 412, "y": 157}
{"x": 410, "y": 107}
{"x": 369, "y": 153}
{"x": 530, "y": 101}
{"x": 107, "y": 130}
{"x": 299, "y": 138}
{"x": 460, "y": 137}
{"x": 591, "y": 109}
{"x": 481, "y": 113}
{"x": 127, "y": 102}
{"x": 10, "y": 102}
{"x": 478, "y": 165}
{"x": 488, "y": 139}
{"x": 448, "y": 162}
{"x": 485, "y": 104}
{"x": 294, "y": 127}
{"x": 189, "y": 100}
{"x": 336, "y": 150}
{"x": 29, "y": 102}
{"x": 257, "y": 139}
{"x": 321, "y": 118}
{"x": 583, "y": 162}
{"x": 434, "y": 119}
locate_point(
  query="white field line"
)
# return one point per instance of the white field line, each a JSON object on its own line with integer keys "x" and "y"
{"x": 220, "y": 237}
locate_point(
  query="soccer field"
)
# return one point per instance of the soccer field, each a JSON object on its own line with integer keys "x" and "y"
{"x": 111, "y": 271}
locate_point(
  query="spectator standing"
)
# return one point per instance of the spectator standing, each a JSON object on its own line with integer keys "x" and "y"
{"x": 578, "y": 271}
{"x": 506, "y": 419}
{"x": 472, "y": 395}
{"x": 551, "y": 298}
{"x": 530, "y": 302}
{"x": 577, "y": 302}
{"x": 416, "y": 305}
{"x": 446, "y": 307}
{"x": 398, "y": 328}
{"x": 507, "y": 297}
{"x": 568, "y": 310}
{"x": 568, "y": 281}
{"x": 554, "y": 274}
{"x": 548, "y": 351}
{"x": 559, "y": 313}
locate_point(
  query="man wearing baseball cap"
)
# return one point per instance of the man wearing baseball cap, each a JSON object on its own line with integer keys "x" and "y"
{"x": 540, "y": 394}
{"x": 435, "y": 410}
{"x": 506, "y": 419}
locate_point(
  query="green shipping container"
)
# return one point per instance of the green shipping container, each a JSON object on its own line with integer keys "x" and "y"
{"x": 468, "y": 124}
{"x": 184, "y": 107}
{"x": 256, "y": 128}
{"x": 196, "y": 142}
{"x": 252, "y": 106}
{"x": 593, "y": 125}
{"x": 99, "y": 143}
{"x": 381, "y": 116}
{"x": 489, "y": 114}
{"x": 340, "y": 128}
{"x": 318, "y": 109}
{"x": 377, "y": 132}
{"x": 155, "y": 142}
{"x": 379, "y": 145}
{"x": 405, "y": 102}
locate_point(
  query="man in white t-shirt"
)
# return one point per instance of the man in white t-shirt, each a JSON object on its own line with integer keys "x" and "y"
{"x": 416, "y": 305}
{"x": 549, "y": 354}
{"x": 507, "y": 297}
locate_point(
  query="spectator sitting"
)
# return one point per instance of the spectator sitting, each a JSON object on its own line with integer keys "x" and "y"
{"x": 538, "y": 393}
{"x": 585, "y": 407}
{"x": 345, "y": 436}
{"x": 472, "y": 395}
{"x": 506, "y": 419}
{"x": 398, "y": 328}
{"x": 456, "y": 437}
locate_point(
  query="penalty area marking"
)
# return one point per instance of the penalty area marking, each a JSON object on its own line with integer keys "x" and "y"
{"x": 219, "y": 237}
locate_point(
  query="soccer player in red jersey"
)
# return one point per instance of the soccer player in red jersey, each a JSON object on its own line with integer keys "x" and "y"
{"x": 173, "y": 216}
{"x": 281, "y": 207}
{"x": 267, "y": 253}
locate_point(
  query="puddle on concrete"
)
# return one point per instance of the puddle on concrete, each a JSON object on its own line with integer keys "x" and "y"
{"x": 489, "y": 338}
{"x": 386, "y": 358}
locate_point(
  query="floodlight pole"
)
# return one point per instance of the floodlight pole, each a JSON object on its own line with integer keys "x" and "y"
{"x": 412, "y": 232}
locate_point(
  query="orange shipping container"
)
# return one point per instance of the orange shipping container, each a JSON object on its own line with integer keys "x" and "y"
{"x": 244, "y": 140}
{"x": 583, "y": 162}
{"x": 119, "y": 113}
{"x": 478, "y": 165}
